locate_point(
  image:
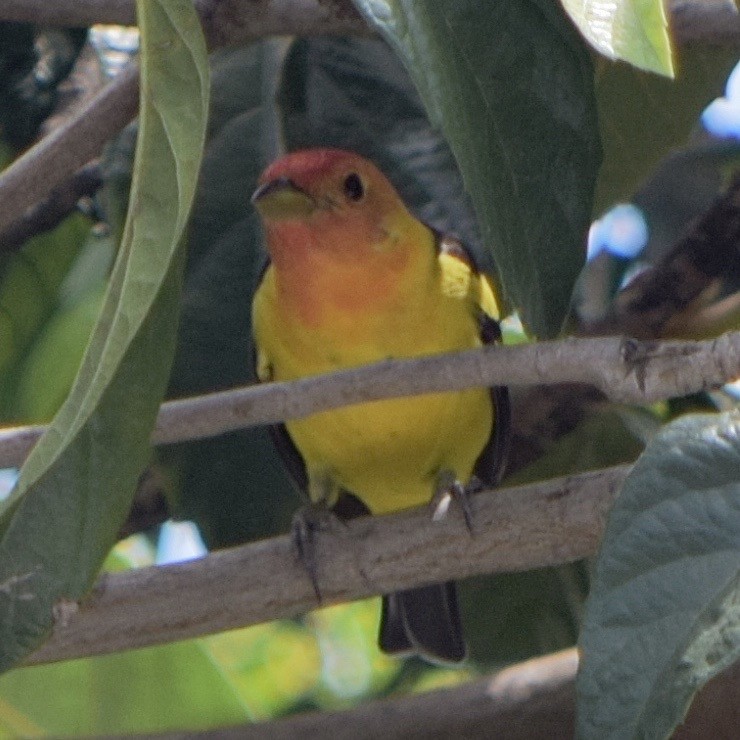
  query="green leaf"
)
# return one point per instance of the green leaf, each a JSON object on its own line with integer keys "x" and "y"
{"x": 94, "y": 696}
{"x": 663, "y": 616}
{"x": 635, "y": 31}
{"x": 511, "y": 86}
{"x": 76, "y": 487}
{"x": 637, "y": 135}
{"x": 49, "y": 370}
{"x": 355, "y": 94}
{"x": 152, "y": 690}
{"x": 234, "y": 485}
{"x": 30, "y": 285}
{"x": 510, "y": 617}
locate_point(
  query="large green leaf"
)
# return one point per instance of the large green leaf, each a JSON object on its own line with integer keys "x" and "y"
{"x": 511, "y": 86}
{"x": 633, "y": 30}
{"x": 664, "y": 611}
{"x": 76, "y": 487}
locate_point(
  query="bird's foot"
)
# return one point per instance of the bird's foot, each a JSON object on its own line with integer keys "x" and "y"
{"x": 450, "y": 489}
{"x": 307, "y": 523}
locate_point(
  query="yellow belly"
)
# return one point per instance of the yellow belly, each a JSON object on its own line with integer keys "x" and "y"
{"x": 390, "y": 453}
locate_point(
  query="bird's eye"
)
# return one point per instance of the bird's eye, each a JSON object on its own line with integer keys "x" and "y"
{"x": 353, "y": 187}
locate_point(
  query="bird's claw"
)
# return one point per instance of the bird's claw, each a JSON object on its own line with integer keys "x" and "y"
{"x": 307, "y": 522}
{"x": 450, "y": 489}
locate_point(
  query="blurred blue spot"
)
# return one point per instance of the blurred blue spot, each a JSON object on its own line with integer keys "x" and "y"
{"x": 722, "y": 116}
{"x": 115, "y": 46}
{"x": 8, "y": 478}
{"x": 732, "y": 89}
{"x": 622, "y": 231}
{"x": 179, "y": 541}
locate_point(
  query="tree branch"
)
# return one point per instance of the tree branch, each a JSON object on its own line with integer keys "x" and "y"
{"x": 68, "y": 148}
{"x": 70, "y": 13}
{"x": 48, "y": 213}
{"x": 715, "y": 21}
{"x": 533, "y": 699}
{"x": 236, "y": 21}
{"x": 625, "y": 371}
{"x": 666, "y": 299}
{"x": 516, "y": 529}
{"x": 530, "y": 700}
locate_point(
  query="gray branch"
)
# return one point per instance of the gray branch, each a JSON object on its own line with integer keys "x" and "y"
{"x": 625, "y": 371}
{"x": 236, "y": 21}
{"x": 516, "y": 529}
{"x": 59, "y": 155}
{"x": 533, "y": 699}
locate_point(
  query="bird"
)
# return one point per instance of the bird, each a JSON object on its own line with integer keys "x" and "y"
{"x": 353, "y": 278}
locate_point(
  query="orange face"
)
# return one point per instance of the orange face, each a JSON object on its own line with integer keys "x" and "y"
{"x": 338, "y": 233}
{"x": 326, "y": 200}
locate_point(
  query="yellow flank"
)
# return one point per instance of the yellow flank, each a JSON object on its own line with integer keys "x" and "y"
{"x": 388, "y": 453}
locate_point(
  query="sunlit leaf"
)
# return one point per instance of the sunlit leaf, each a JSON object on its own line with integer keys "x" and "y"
{"x": 635, "y": 31}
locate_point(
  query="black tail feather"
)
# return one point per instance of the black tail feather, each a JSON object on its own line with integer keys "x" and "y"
{"x": 425, "y": 621}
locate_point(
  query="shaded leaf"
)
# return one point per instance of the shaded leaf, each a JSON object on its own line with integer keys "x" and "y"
{"x": 30, "y": 286}
{"x": 663, "y": 616}
{"x": 635, "y": 31}
{"x": 509, "y": 617}
{"x": 511, "y": 86}
{"x": 76, "y": 486}
{"x": 233, "y": 486}
{"x": 643, "y": 117}
{"x": 95, "y": 696}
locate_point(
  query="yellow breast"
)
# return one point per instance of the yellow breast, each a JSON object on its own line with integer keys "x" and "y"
{"x": 391, "y": 453}
{"x": 388, "y": 453}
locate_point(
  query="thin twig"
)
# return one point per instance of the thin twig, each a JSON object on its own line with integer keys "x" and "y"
{"x": 52, "y": 210}
{"x": 557, "y": 521}
{"x": 625, "y": 371}
{"x": 68, "y": 148}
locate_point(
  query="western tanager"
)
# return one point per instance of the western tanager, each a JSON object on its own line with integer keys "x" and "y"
{"x": 354, "y": 278}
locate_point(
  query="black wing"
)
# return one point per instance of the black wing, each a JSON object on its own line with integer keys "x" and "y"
{"x": 491, "y": 463}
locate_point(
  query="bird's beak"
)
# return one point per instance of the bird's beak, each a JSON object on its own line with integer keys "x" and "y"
{"x": 282, "y": 199}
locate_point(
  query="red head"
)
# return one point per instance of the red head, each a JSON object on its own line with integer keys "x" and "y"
{"x": 339, "y": 235}
{"x": 328, "y": 200}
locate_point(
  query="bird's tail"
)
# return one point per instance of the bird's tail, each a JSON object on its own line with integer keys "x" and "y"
{"x": 424, "y": 621}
